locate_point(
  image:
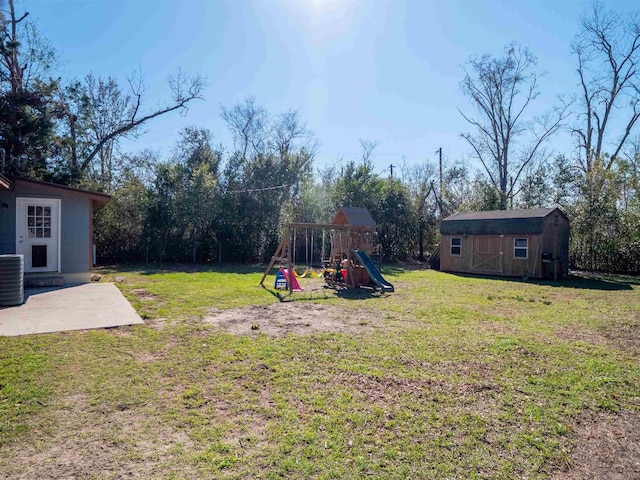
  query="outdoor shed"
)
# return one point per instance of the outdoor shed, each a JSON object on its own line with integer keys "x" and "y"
{"x": 52, "y": 226}
{"x": 517, "y": 243}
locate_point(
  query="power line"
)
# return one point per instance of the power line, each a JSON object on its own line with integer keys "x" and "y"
{"x": 252, "y": 190}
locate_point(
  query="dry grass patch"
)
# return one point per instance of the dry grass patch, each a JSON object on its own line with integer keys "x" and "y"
{"x": 297, "y": 318}
{"x": 607, "y": 448}
{"x": 97, "y": 442}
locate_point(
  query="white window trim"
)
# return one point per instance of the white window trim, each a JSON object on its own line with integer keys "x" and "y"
{"x": 451, "y": 245}
{"x": 526, "y": 249}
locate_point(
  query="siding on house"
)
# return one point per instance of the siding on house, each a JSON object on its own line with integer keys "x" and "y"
{"x": 7, "y": 222}
{"x": 76, "y": 226}
{"x": 75, "y": 239}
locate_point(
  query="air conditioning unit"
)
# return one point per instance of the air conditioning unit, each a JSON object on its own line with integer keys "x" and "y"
{"x": 11, "y": 279}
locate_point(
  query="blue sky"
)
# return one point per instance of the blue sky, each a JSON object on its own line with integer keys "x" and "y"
{"x": 385, "y": 71}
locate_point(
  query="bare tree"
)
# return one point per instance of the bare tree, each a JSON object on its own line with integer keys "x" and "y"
{"x": 368, "y": 146}
{"x": 25, "y": 56}
{"x": 505, "y": 142}
{"x": 95, "y": 113}
{"x": 608, "y": 52}
{"x": 184, "y": 89}
{"x": 248, "y": 123}
{"x": 289, "y": 133}
{"x": 26, "y": 120}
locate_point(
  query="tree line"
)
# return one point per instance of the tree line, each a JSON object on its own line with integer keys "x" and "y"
{"x": 206, "y": 202}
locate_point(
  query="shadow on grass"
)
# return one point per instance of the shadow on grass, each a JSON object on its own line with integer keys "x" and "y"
{"x": 155, "y": 269}
{"x": 346, "y": 293}
{"x": 577, "y": 280}
{"x": 392, "y": 271}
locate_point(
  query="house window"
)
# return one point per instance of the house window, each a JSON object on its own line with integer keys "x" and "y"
{"x": 521, "y": 248}
{"x": 456, "y": 246}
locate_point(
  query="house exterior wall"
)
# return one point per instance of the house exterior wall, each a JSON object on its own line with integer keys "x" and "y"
{"x": 75, "y": 227}
{"x": 7, "y": 223}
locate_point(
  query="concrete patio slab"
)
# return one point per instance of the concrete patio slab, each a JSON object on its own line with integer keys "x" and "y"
{"x": 46, "y": 310}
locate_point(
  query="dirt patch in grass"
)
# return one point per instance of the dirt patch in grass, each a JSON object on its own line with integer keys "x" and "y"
{"x": 579, "y": 335}
{"x": 103, "y": 441}
{"x": 608, "y": 448}
{"x": 624, "y": 337}
{"x": 298, "y": 318}
{"x": 143, "y": 295}
{"x": 381, "y": 389}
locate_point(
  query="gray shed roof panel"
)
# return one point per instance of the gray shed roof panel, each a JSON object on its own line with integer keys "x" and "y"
{"x": 496, "y": 222}
{"x": 501, "y": 214}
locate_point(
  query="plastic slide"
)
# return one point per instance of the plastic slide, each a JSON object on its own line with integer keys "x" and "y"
{"x": 290, "y": 278}
{"x": 374, "y": 272}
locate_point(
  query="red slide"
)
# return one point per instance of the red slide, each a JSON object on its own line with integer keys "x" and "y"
{"x": 291, "y": 278}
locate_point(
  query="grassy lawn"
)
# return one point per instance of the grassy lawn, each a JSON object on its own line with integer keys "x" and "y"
{"x": 448, "y": 377}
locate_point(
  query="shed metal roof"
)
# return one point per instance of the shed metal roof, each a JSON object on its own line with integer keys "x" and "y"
{"x": 497, "y": 222}
{"x": 356, "y": 216}
{"x": 100, "y": 199}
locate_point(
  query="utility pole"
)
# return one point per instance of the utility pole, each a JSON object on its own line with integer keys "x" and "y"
{"x": 391, "y": 168}
{"x": 440, "y": 160}
{"x": 511, "y": 192}
{"x": 439, "y": 152}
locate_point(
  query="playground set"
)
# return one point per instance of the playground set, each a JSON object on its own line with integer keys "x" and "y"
{"x": 348, "y": 263}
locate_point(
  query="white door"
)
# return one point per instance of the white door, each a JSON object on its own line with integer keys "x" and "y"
{"x": 38, "y": 233}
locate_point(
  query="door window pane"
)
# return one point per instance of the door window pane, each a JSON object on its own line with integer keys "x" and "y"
{"x": 39, "y": 221}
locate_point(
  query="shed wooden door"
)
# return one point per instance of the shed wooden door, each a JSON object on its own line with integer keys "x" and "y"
{"x": 487, "y": 256}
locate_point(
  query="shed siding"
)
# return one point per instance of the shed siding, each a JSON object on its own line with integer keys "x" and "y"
{"x": 518, "y": 267}
{"x": 556, "y": 243}
{"x": 454, "y": 263}
{"x": 491, "y": 255}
